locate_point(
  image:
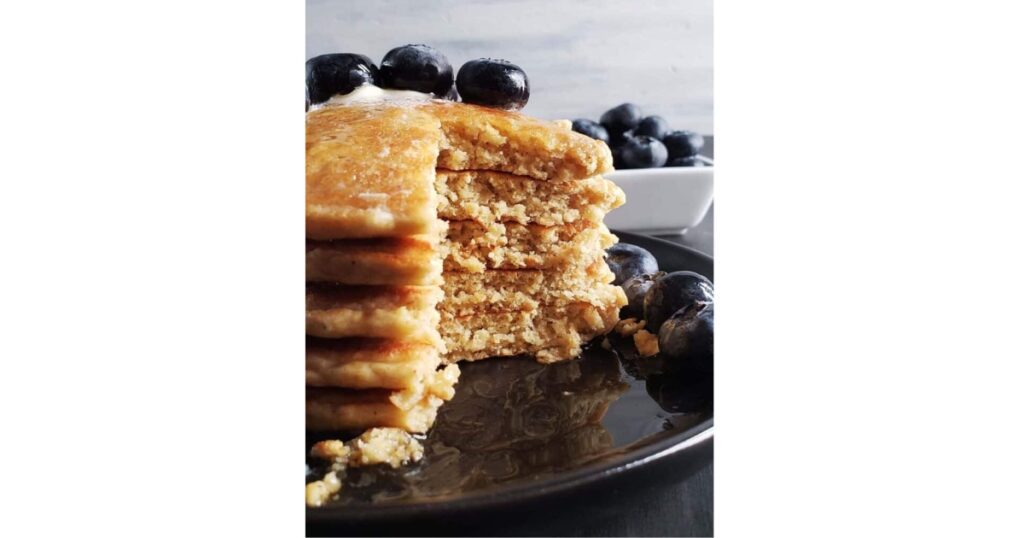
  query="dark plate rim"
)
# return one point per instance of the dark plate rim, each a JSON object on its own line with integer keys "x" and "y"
{"x": 624, "y": 460}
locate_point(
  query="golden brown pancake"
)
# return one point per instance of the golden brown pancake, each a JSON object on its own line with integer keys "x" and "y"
{"x": 405, "y": 312}
{"x": 412, "y": 261}
{"x": 369, "y": 363}
{"x": 487, "y": 197}
{"x": 345, "y": 409}
{"x": 523, "y": 289}
{"x": 549, "y": 333}
{"x": 370, "y": 171}
{"x": 474, "y": 247}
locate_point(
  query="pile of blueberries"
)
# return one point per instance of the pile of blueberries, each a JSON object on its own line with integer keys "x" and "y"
{"x": 637, "y": 141}
{"x": 421, "y": 68}
{"x": 679, "y": 307}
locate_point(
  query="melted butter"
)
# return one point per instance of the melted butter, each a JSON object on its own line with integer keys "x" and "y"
{"x": 368, "y": 93}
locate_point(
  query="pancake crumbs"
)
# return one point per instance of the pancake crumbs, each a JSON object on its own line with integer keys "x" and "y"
{"x": 646, "y": 343}
{"x": 391, "y": 446}
{"x": 629, "y": 326}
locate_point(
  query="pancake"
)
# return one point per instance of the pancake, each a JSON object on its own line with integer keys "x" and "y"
{"x": 474, "y": 247}
{"x": 549, "y": 333}
{"x": 487, "y": 197}
{"x": 523, "y": 289}
{"x": 369, "y": 363}
{"x": 370, "y": 171}
{"x": 405, "y": 312}
{"x": 480, "y": 138}
{"x": 414, "y": 260}
{"x": 350, "y": 410}
{"x": 370, "y": 168}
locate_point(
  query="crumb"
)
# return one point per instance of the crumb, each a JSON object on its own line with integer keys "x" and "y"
{"x": 606, "y": 344}
{"x": 320, "y": 491}
{"x": 646, "y": 343}
{"x": 330, "y": 450}
{"x": 392, "y": 446}
{"x": 629, "y": 326}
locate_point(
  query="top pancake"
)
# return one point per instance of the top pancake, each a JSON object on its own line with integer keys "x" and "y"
{"x": 370, "y": 171}
{"x": 481, "y": 138}
{"x": 370, "y": 167}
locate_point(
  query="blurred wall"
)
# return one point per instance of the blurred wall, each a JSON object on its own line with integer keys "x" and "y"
{"x": 582, "y": 57}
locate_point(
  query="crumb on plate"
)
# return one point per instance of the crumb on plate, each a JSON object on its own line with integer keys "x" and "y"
{"x": 646, "y": 343}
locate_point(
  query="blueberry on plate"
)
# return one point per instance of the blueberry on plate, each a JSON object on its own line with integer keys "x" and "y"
{"x": 683, "y": 143}
{"x": 419, "y": 68}
{"x": 627, "y": 261}
{"x": 493, "y": 83}
{"x": 621, "y": 118}
{"x": 673, "y": 292}
{"x": 686, "y": 161}
{"x": 636, "y": 289}
{"x": 652, "y": 126}
{"x": 332, "y": 74}
{"x": 689, "y": 336}
{"x": 590, "y": 128}
{"x": 643, "y": 152}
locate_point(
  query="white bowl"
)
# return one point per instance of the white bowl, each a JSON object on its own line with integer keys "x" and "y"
{"x": 662, "y": 200}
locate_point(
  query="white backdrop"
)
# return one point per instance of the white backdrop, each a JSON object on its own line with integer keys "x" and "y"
{"x": 582, "y": 57}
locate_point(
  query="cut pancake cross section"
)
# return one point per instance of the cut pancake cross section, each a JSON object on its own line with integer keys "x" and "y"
{"x": 438, "y": 232}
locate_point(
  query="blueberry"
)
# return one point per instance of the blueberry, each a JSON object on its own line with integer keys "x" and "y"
{"x": 418, "y": 68}
{"x": 493, "y": 83}
{"x": 653, "y": 126}
{"x": 686, "y": 161}
{"x": 636, "y": 289}
{"x": 683, "y": 143}
{"x": 617, "y": 157}
{"x": 689, "y": 336}
{"x": 673, "y": 292}
{"x": 643, "y": 152}
{"x": 627, "y": 261}
{"x": 590, "y": 128}
{"x": 331, "y": 74}
{"x": 621, "y": 118}
{"x": 617, "y": 140}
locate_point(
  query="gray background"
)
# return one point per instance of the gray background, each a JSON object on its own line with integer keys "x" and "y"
{"x": 582, "y": 57}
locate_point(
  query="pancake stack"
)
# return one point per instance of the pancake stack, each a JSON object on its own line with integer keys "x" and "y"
{"x": 440, "y": 232}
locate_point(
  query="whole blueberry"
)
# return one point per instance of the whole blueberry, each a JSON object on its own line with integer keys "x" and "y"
{"x": 590, "y": 128}
{"x": 418, "y": 68}
{"x": 493, "y": 83}
{"x": 636, "y": 289}
{"x": 653, "y": 126}
{"x": 689, "y": 336}
{"x": 627, "y": 261}
{"x": 686, "y": 161}
{"x": 683, "y": 143}
{"x": 643, "y": 152}
{"x": 621, "y": 118}
{"x": 673, "y": 292}
{"x": 332, "y": 74}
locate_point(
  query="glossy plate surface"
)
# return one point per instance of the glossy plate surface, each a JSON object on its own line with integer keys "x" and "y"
{"x": 518, "y": 432}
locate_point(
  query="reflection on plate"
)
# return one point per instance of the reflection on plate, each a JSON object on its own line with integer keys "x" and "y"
{"x": 516, "y": 420}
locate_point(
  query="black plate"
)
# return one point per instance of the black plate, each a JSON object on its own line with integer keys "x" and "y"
{"x": 522, "y": 441}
